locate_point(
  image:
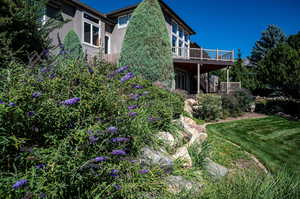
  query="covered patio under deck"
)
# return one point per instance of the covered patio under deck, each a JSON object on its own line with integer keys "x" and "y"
{"x": 192, "y": 69}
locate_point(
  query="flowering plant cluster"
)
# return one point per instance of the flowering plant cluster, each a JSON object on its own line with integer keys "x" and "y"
{"x": 71, "y": 129}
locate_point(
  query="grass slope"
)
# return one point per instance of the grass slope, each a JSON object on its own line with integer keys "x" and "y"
{"x": 274, "y": 140}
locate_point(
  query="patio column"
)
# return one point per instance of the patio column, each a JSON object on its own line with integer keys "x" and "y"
{"x": 198, "y": 78}
{"x": 227, "y": 84}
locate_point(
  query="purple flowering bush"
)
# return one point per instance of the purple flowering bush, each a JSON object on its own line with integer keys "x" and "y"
{"x": 64, "y": 131}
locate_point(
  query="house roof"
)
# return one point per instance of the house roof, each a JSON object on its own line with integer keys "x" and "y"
{"x": 128, "y": 9}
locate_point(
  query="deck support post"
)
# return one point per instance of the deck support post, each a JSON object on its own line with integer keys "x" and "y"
{"x": 198, "y": 78}
{"x": 227, "y": 84}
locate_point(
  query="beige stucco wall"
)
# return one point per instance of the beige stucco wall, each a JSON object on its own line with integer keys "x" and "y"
{"x": 75, "y": 17}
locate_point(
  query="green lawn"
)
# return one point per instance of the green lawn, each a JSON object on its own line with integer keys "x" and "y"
{"x": 273, "y": 140}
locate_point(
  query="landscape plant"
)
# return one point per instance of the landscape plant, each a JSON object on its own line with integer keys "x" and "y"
{"x": 69, "y": 129}
{"x": 146, "y": 47}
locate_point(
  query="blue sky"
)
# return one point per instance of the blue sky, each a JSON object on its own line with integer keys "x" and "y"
{"x": 225, "y": 24}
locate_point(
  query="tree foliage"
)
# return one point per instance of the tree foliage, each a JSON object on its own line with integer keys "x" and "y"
{"x": 270, "y": 38}
{"x": 280, "y": 70}
{"x": 72, "y": 44}
{"x": 146, "y": 46}
{"x": 22, "y": 30}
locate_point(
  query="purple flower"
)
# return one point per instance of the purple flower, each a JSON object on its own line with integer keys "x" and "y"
{"x": 11, "y": 104}
{"x": 120, "y": 140}
{"x": 144, "y": 171}
{"x": 133, "y": 161}
{"x": 117, "y": 187}
{"x": 20, "y": 183}
{"x": 40, "y": 166}
{"x": 127, "y": 77}
{"x": 52, "y": 76}
{"x": 121, "y": 69}
{"x": 132, "y": 114}
{"x": 134, "y": 96}
{"x": 90, "y": 132}
{"x": 100, "y": 159}
{"x": 114, "y": 172}
{"x": 137, "y": 86}
{"x": 118, "y": 152}
{"x": 26, "y": 149}
{"x": 36, "y": 94}
{"x": 112, "y": 129}
{"x": 30, "y": 113}
{"x": 133, "y": 107}
{"x": 71, "y": 101}
{"x": 93, "y": 139}
{"x": 1, "y": 102}
{"x": 90, "y": 70}
{"x": 44, "y": 70}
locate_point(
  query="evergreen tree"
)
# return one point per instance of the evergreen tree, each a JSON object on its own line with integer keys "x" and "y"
{"x": 280, "y": 70}
{"x": 270, "y": 38}
{"x": 146, "y": 46}
{"x": 294, "y": 41}
{"x": 22, "y": 30}
{"x": 72, "y": 45}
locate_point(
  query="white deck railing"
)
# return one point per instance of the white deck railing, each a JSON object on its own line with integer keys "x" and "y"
{"x": 203, "y": 54}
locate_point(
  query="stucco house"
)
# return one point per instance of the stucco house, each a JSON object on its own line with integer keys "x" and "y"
{"x": 103, "y": 34}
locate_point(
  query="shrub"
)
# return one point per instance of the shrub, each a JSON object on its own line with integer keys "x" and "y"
{"x": 231, "y": 106}
{"x": 56, "y": 120}
{"x": 22, "y": 31}
{"x": 147, "y": 48}
{"x": 209, "y": 107}
{"x": 244, "y": 98}
{"x": 72, "y": 45}
{"x": 198, "y": 153}
{"x": 279, "y": 104}
{"x": 248, "y": 184}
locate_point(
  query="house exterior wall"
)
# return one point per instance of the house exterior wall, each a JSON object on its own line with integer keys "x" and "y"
{"x": 75, "y": 17}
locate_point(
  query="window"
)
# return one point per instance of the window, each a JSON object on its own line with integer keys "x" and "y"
{"x": 186, "y": 37}
{"x": 180, "y": 80}
{"x": 107, "y": 45}
{"x": 180, "y": 41}
{"x": 123, "y": 21}
{"x": 174, "y": 27}
{"x": 87, "y": 32}
{"x": 91, "y": 30}
{"x": 174, "y": 44}
{"x": 180, "y": 32}
{"x": 96, "y": 37}
{"x": 89, "y": 17}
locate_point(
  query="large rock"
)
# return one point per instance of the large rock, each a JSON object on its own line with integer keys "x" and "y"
{"x": 215, "y": 169}
{"x": 195, "y": 131}
{"x": 182, "y": 153}
{"x": 166, "y": 138}
{"x": 188, "y": 106}
{"x": 150, "y": 156}
{"x": 176, "y": 184}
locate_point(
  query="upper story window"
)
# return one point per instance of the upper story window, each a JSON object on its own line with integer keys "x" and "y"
{"x": 123, "y": 21}
{"x": 174, "y": 27}
{"x": 180, "y": 40}
{"x": 91, "y": 30}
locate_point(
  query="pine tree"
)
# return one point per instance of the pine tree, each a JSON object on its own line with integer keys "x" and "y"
{"x": 146, "y": 46}
{"x": 270, "y": 38}
{"x": 72, "y": 45}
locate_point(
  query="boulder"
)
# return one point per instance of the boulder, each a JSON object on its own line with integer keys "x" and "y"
{"x": 166, "y": 138}
{"x": 160, "y": 157}
{"x": 191, "y": 101}
{"x": 188, "y": 106}
{"x": 215, "y": 169}
{"x": 195, "y": 132}
{"x": 176, "y": 184}
{"x": 182, "y": 153}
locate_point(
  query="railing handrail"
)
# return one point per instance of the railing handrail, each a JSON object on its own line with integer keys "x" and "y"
{"x": 205, "y": 54}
